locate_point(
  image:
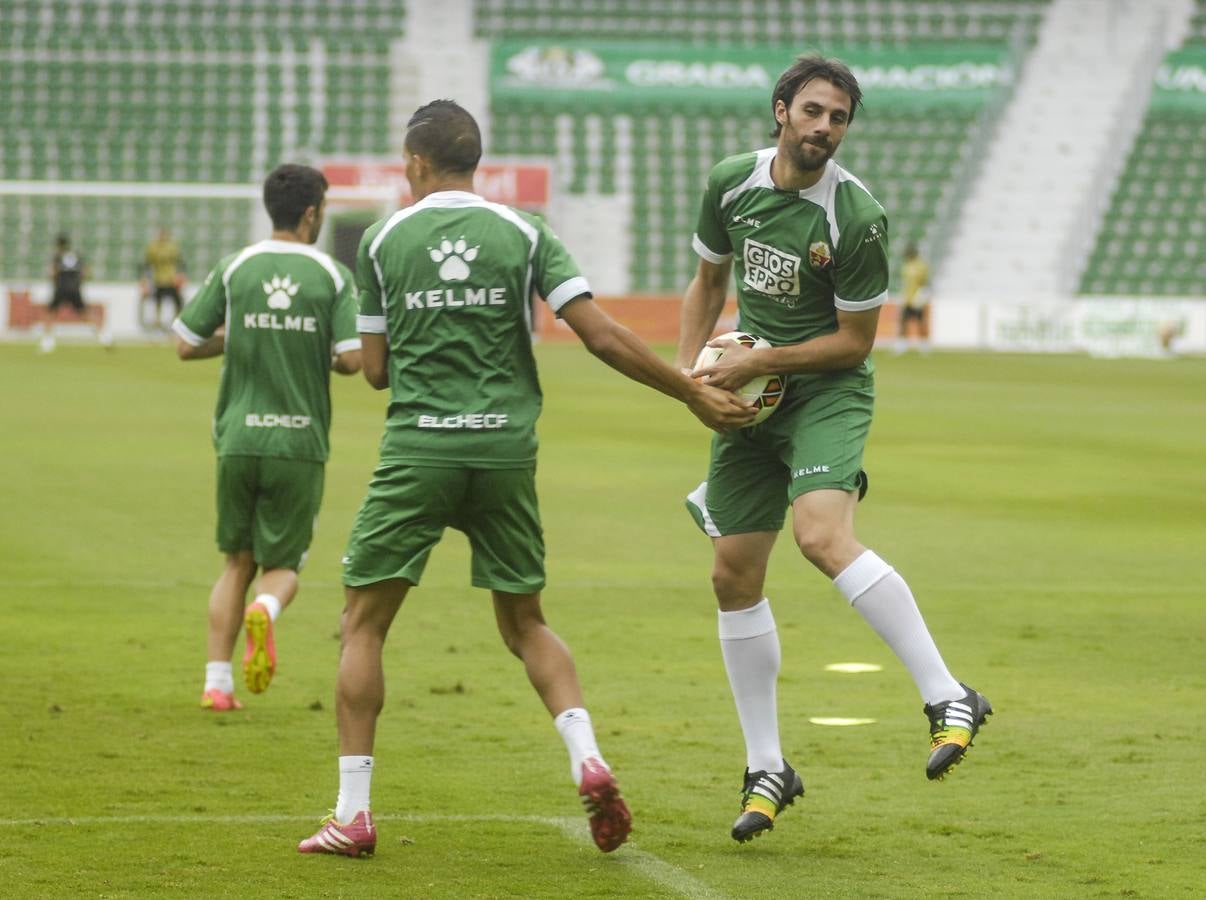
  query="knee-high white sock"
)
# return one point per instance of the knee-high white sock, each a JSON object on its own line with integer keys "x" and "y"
{"x": 750, "y": 646}
{"x": 355, "y": 780}
{"x": 576, "y": 730}
{"x": 883, "y": 599}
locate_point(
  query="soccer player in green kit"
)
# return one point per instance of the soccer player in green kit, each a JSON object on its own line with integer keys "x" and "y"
{"x": 808, "y": 244}
{"x": 444, "y": 317}
{"x": 282, "y": 314}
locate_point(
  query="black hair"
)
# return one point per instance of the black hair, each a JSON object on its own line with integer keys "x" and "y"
{"x": 444, "y": 134}
{"x": 809, "y": 67}
{"x": 290, "y": 190}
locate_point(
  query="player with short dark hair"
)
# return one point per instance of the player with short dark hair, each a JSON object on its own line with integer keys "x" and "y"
{"x": 808, "y": 244}
{"x": 283, "y": 315}
{"x": 290, "y": 190}
{"x": 447, "y": 135}
{"x": 446, "y": 326}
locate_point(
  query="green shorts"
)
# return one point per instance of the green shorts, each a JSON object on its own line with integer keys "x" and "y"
{"x": 814, "y": 442}
{"x": 408, "y": 507}
{"x": 268, "y": 506}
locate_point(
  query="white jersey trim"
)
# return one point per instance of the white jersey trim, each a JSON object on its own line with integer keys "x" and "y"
{"x": 716, "y": 259}
{"x": 271, "y": 246}
{"x": 370, "y": 324}
{"x": 860, "y": 305}
{"x": 567, "y": 291}
{"x": 824, "y": 195}
{"x": 760, "y": 177}
{"x": 390, "y": 223}
{"x": 452, "y": 200}
{"x": 186, "y": 334}
{"x": 347, "y": 344}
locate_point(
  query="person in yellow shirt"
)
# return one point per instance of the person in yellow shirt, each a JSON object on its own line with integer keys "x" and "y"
{"x": 164, "y": 275}
{"x": 914, "y": 301}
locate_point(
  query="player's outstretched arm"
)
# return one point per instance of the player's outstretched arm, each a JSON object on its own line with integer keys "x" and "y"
{"x": 703, "y": 303}
{"x": 626, "y": 353}
{"x": 374, "y": 354}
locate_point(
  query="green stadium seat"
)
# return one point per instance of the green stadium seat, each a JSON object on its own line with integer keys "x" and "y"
{"x": 721, "y": 23}
{"x": 92, "y": 117}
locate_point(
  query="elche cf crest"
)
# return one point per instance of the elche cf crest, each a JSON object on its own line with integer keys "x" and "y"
{"x": 819, "y": 256}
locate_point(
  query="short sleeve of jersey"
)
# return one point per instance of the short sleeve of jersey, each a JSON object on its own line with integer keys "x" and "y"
{"x": 371, "y": 317}
{"x": 711, "y": 240}
{"x": 861, "y": 275}
{"x": 206, "y": 311}
{"x": 344, "y": 332}
{"x": 556, "y": 276}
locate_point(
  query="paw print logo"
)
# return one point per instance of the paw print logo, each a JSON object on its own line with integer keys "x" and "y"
{"x": 453, "y": 258}
{"x": 280, "y": 291}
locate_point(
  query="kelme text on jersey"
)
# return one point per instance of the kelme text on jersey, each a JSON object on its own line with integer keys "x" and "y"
{"x": 273, "y": 322}
{"x": 450, "y": 297}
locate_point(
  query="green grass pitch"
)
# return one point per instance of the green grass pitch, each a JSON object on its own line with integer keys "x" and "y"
{"x": 1049, "y": 513}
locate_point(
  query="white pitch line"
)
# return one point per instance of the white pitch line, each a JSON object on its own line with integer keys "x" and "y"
{"x": 652, "y": 867}
{"x": 643, "y": 862}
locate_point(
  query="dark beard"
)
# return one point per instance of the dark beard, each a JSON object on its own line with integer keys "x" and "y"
{"x": 807, "y": 163}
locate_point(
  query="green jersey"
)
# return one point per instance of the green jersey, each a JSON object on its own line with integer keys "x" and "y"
{"x": 448, "y": 281}
{"x": 287, "y": 308}
{"x": 799, "y": 256}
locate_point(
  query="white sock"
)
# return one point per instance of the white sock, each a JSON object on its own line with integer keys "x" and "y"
{"x": 270, "y": 603}
{"x": 579, "y": 735}
{"x": 884, "y": 600}
{"x": 218, "y": 675}
{"x": 749, "y": 643}
{"x": 355, "y": 779}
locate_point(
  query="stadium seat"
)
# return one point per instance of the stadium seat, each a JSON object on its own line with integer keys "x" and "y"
{"x": 872, "y": 22}
{"x": 903, "y": 160}
{"x": 121, "y": 94}
{"x": 1153, "y": 221}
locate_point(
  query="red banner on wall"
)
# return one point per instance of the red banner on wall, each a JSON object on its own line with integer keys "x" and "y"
{"x": 525, "y": 185}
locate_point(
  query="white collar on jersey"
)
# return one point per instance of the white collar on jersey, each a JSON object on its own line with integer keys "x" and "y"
{"x": 761, "y": 177}
{"x": 824, "y": 184}
{"x": 450, "y": 198}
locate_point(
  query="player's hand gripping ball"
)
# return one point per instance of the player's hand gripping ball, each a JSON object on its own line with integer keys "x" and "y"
{"x": 766, "y": 391}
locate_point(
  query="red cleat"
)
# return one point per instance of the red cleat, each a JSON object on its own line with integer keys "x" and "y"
{"x": 259, "y": 660}
{"x": 610, "y": 821}
{"x": 357, "y": 838}
{"x": 219, "y": 701}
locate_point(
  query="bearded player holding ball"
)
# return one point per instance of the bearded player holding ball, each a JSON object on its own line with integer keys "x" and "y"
{"x": 808, "y": 243}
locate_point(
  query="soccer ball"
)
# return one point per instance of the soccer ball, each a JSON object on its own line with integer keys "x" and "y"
{"x": 765, "y": 390}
